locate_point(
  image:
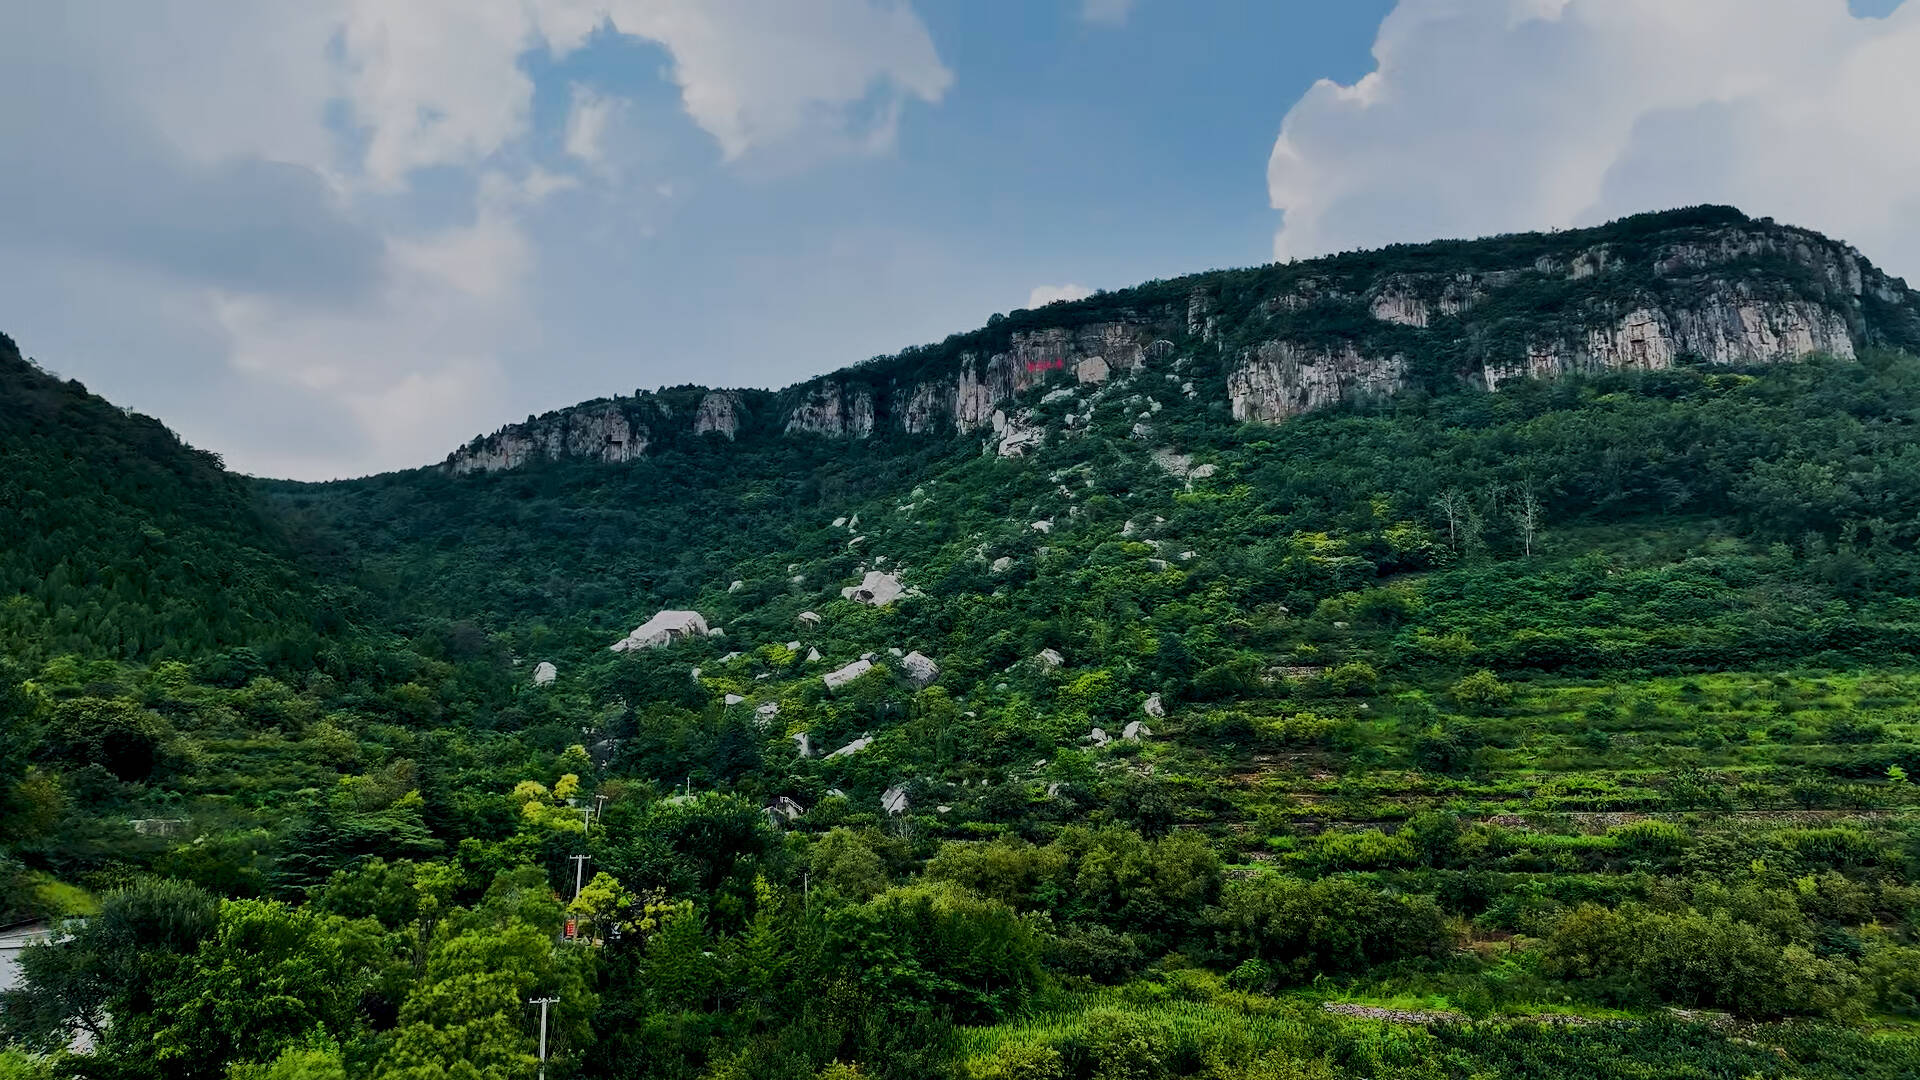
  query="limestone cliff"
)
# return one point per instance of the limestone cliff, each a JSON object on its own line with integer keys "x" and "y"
{"x": 1704, "y": 285}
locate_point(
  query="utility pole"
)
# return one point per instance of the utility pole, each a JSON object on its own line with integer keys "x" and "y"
{"x": 579, "y": 870}
{"x": 586, "y": 817}
{"x": 599, "y": 807}
{"x": 543, "y": 1003}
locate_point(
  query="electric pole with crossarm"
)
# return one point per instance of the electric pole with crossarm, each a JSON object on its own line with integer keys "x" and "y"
{"x": 579, "y": 873}
{"x": 543, "y": 1003}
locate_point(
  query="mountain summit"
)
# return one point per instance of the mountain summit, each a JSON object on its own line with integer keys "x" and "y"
{"x": 1702, "y": 285}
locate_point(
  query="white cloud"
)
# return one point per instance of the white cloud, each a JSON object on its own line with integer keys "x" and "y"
{"x": 1107, "y": 12}
{"x": 415, "y": 365}
{"x": 763, "y": 71}
{"x": 438, "y": 81}
{"x": 1042, "y": 295}
{"x": 252, "y": 167}
{"x": 1493, "y": 115}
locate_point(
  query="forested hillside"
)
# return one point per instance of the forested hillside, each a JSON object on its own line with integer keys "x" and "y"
{"x": 118, "y": 540}
{"x": 1559, "y": 729}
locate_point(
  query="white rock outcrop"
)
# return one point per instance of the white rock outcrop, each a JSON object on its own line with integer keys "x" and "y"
{"x": 544, "y": 674}
{"x": 1001, "y": 564}
{"x": 842, "y": 676}
{"x": 1013, "y": 436}
{"x": 877, "y": 589}
{"x": 1153, "y": 707}
{"x": 1049, "y": 659}
{"x": 853, "y": 747}
{"x": 1279, "y": 379}
{"x": 718, "y": 412}
{"x": 600, "y": 431}
{"x": 829, "y": 408}
{"x": 734, "y": 699}
{"x": 920, "y": 668}
{"x": 1135, "y": 731}
{"x": 808, "y": 617}
{"x": 663, "y": 629}
{"x": 894, "y": 800}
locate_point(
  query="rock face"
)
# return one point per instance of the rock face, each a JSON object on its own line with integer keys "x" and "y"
{"x": 600, "y": 432}
{"x": 1704, "y": 285}
{"x": 544, "y": 673}
{"x": 718, "y": 413}
{"x": 663, "y": 629}
{"x": 1278, "y": 379}
{"x": 831, "y": 407}
{"x": 1725, "y": 329}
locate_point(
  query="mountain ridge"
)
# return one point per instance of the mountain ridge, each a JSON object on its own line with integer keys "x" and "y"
{"x": 1705, "y": 284}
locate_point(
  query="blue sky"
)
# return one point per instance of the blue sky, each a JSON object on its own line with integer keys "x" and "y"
{"x": 343, "y": 236}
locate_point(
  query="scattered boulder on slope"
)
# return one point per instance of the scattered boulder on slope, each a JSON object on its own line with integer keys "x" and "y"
{"x": 894, "y": 800}
{"x": 920, "y": 668}
{"x": 663, "y": 629}
{"x": 853, "y": 747}
{"x": 845, "y": 675}
{"x": 877, "y": 589}
{"x": 545, "y": 673}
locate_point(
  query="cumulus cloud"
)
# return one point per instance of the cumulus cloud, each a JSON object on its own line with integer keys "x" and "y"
{"x": 1042, "y": 295}
{"x": 1107, "y": 12}
{"x": 1484, "y": 116}
{"x": 438, "y": 81}
{"x": 765, "y": 71}
{"x": 253, "y": 171}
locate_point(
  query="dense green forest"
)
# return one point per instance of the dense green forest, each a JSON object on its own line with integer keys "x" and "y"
{"x": 1568, "y": 730}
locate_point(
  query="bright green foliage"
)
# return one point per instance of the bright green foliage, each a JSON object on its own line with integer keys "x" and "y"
{"x": 295, "y": 1063}
{"x": 269, "y": 976}
{"x": 968, "y": 958}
